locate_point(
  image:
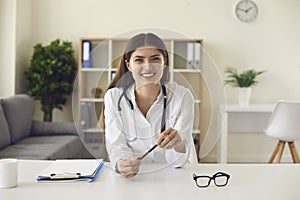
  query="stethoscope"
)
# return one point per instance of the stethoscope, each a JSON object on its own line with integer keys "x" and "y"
{"x": 163, "y": 119}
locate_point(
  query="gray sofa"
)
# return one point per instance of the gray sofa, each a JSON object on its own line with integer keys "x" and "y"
{"x": 24, "y": 138}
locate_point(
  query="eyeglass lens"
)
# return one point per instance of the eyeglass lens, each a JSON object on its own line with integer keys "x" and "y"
{"x": 203, "y": 181}
{"x": 221, "y": 180}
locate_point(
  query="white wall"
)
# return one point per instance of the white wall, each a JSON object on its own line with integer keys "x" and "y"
{"x": 270, "y": 43}
{"x": 7, "y": 47}
{"x": 15, "y": 40}
{"x": 23, "y": 42}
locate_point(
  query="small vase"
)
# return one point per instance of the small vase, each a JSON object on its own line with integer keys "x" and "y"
{"x": 244, "y": 96}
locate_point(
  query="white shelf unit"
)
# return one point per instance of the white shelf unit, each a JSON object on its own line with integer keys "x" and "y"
{"x": 105, "y": 56}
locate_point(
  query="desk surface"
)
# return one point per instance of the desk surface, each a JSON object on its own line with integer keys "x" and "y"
{"x": 247, "y": 182}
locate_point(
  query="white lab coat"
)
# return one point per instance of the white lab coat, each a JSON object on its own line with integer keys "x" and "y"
{"x": 133, "y": 124}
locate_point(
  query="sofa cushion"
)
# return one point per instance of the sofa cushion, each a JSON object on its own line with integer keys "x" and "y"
{"x": 45, "y": 148}
{"x": 19, "y": 110}
{"x": 4, "y": 131}
{"x": 53, "y": 128}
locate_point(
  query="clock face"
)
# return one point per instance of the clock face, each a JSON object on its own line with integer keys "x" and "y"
{"x": 246, "y": 10}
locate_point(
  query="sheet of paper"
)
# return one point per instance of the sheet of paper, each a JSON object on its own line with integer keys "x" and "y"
{"x": 84, "y": 167}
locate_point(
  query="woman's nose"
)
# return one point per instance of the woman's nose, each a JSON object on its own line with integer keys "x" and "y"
{"x": 147, "y": 64}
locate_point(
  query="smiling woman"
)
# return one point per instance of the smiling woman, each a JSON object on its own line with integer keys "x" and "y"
{"x": 142, "y": 109}
{"x": 146, "y": 65}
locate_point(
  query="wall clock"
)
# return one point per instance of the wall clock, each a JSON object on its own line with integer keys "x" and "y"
{"x": 246, "y": 10}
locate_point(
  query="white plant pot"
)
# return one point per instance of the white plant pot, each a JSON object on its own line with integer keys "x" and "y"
{"x": 244, "y": 96}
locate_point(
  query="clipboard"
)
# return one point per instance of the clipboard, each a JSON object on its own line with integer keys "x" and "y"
{"x": 77, "y": 170}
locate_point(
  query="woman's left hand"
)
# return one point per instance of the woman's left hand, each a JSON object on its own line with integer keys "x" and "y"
{"x": 170, "y": 139}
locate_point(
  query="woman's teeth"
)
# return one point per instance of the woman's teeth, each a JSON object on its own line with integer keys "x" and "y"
{"x": 148, "y": 75}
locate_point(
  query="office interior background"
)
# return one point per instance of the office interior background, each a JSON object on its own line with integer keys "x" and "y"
{"x": 270, "y": 43}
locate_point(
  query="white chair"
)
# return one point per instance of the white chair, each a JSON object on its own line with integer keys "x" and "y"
{"x": 284, "y": 125}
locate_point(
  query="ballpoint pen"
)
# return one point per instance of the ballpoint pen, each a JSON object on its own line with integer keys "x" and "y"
{"x": 151, "y": 149}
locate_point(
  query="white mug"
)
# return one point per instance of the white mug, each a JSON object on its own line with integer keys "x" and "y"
{"x": 8, "y": 173}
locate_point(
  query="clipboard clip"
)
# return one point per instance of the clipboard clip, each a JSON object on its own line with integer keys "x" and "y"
{"x": 65, "y": 176}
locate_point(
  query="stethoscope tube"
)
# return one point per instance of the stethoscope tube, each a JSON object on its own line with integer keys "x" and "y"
{"x": 163, "y": 119}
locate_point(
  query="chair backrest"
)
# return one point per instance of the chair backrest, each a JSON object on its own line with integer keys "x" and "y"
{"x": 284, "y": 123}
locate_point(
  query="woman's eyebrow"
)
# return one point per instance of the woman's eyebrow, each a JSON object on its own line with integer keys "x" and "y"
{"x": 137, "y": 56}
{"x": 155, "y": 55}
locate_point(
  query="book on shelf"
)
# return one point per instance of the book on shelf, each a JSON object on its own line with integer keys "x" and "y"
{"x": 86, "y": 54}
{"x": 193, "y": 55}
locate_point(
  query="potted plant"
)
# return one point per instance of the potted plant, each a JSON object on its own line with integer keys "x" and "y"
{"x": 51, "y": 74}
{"x": 244, "y": 81}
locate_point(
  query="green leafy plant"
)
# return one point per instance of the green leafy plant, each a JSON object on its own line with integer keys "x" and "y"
{"x": 243, "y": 80}
{"x": 51, "y": 74}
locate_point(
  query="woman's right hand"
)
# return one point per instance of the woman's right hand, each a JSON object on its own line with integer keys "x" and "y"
{"x": 128, "y": 167}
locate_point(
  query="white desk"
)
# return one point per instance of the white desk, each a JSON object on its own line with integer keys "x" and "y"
{"x": 235, "y": 118}
{"x": 247, "y": 182}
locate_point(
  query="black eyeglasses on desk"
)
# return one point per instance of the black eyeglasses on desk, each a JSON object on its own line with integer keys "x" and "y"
{"x": 220, "y": 179}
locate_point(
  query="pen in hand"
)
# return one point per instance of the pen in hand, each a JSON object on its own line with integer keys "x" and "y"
{"x": 151, "y": 149}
